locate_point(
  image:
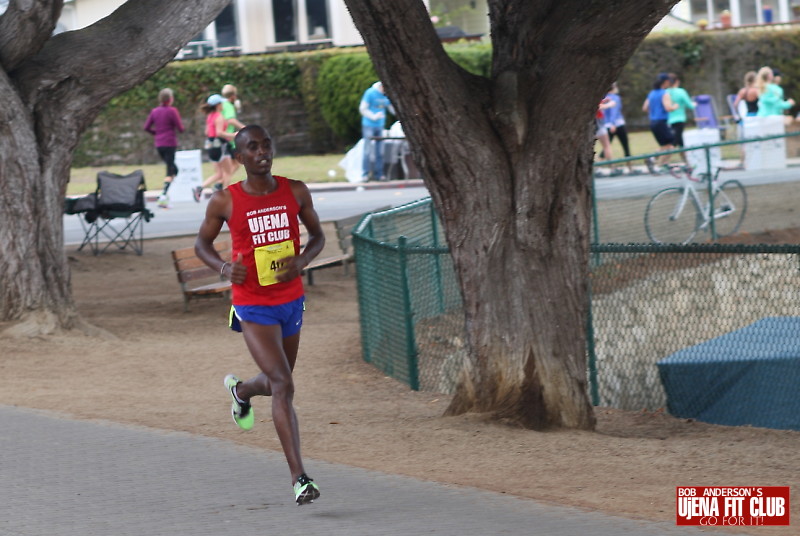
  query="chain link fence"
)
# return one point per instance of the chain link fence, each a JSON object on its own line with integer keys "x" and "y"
{"x": 709, "y": 324}
{"x": 625, "y": 192}
{"x": 409, "y": 301}
{"x": 704, "y": 330}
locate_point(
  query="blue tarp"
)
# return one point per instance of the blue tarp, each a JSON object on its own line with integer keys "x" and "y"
{"x": 750, "y": 376}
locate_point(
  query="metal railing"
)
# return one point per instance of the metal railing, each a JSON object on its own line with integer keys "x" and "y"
{"x": 638, "y": 198}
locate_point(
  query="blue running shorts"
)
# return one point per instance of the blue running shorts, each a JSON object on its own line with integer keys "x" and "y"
{"x": 289, "y": 316}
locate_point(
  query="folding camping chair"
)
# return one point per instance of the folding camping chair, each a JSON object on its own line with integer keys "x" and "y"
{"x": 115, "y": 212}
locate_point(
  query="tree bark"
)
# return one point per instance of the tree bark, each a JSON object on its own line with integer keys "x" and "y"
{"x": 26, "y": 22}
{"x": 51, "y": 89}
{"x": 508, "y": 162}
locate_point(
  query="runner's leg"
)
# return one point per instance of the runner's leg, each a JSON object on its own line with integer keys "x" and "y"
{"x": 259, "y": 384}
{"x": 266, "y": 346}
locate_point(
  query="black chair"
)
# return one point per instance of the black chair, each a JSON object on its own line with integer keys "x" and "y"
{"x": 115, "y": 212}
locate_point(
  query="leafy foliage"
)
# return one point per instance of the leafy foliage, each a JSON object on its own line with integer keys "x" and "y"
{"x": 341, "y": 82}
{"x": 343, "y": 79}
{"x": 327, "y": 84}
{"x": 711, "y": 63}
{"x": 193, "y": 81}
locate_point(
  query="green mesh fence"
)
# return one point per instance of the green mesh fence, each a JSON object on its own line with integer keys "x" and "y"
{"x": 758, "y": 179}
{"x": 409, "y": 302}
{"x": 709, "y": 331}
{"x": 712, "y": 326}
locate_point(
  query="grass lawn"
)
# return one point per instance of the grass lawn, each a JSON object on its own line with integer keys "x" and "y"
{"x": 313, "y": 168}
{"x": 643, "y": 142}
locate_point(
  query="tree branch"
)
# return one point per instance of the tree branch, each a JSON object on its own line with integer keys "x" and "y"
{"x": 24, "y": 29}
{"x": 435, "y": 98}
{"x": 82, "y": 70}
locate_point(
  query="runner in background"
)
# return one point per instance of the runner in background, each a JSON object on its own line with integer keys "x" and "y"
{"x": 230, "y": 111}
{"x": 164, "y": 123}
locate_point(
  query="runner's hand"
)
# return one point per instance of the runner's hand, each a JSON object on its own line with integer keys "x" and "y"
{"x": 238, "y": 271}
{"x": 292, "y": 267}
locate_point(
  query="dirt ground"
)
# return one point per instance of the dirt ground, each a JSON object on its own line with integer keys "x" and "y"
{"x": 163, "y": 368}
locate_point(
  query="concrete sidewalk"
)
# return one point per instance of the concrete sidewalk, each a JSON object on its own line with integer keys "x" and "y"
{"x": 82, "y": 478}
{"x": 152, "y": 195}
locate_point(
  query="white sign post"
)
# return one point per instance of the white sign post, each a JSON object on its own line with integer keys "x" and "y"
{"x": 190, "y": 175}
{"x": 767, "y": 154}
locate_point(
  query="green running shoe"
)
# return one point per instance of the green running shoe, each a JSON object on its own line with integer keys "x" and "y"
{"x": 242, "y": 413}
{"x": 305, "y": 491}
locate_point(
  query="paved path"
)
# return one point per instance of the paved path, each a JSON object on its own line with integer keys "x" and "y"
{"x": 85, "y": 478}
{"x": 333, "y": 201}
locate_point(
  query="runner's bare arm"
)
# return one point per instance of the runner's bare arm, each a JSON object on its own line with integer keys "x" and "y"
{"x": 217, "y": 213}
{"x": 316, "y": 238}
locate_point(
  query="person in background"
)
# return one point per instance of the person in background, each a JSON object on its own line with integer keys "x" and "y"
{"x": 679, "y": 103}
{"x": 746, "y": 102}
{"x": 373, "y": 107}
{"x": 656, "y": 105}
{"x": 601, "y": 132}
{"x": 230, "y": 110}
{"x": 615, "y": 122}
{"x": 770, "y": 95}
{"x": 164, "y": 123}
{"x": 777, "y": 78}
{"x": 217, "y": 138}
{"x": 746, "y": 105}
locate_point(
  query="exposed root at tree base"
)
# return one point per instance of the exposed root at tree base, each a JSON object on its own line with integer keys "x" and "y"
{"x": 46, "y": 323}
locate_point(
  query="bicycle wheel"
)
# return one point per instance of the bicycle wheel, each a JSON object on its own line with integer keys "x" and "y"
{"x": 730, "y": 206}
{"x": 671, "y": 217}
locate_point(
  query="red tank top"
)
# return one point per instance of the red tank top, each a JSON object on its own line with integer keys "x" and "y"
{"x": 264, "y": 229}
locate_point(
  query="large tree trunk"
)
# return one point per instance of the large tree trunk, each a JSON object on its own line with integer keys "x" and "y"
{"x": 51, "y": 89}
{"x": 508, "y": 163}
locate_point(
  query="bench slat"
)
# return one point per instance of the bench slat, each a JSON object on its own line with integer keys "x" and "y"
{"x": 184, "y": 276}
{"x": 220, "y": 286}
{"x": 186, "y": 253}
{"x": 188, "y": 267}
{"x": 344, "y": 239}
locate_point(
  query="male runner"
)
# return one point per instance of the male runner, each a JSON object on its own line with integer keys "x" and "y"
{"x": 268, "y": 297}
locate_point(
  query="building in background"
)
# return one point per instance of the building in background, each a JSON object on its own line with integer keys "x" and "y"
{"x": 257, "y": 26}
{"x": 715, "y": 13}
{"x": 248, "y": 26}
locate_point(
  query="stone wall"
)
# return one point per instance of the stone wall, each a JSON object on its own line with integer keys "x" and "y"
{"x": 639, "y": 325}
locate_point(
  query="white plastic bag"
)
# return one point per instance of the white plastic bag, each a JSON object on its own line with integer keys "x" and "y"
{"x": 352, "y": 163}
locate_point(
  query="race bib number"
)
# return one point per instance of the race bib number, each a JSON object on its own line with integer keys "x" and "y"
{"x": 268, "y": 261}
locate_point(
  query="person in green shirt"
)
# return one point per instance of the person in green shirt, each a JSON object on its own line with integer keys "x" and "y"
{"x": 679, "y": 103}
{"x": 229, "y": 112}
{"x": 770, "y": 95}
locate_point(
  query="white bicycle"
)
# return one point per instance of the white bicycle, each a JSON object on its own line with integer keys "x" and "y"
{"x": 675, "y": 215}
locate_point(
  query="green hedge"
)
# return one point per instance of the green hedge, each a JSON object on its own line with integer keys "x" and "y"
{"x": 309, "y": 100}
{"x": 710, "y": 62}
{"x": 344, "y": 78}
{"x": 193, "y": 81}
{"x": 341, "y": 83}
{"x": 116, "y": 135}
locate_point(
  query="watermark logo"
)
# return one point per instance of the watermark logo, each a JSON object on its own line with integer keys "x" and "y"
{"x": 732, "y": 505}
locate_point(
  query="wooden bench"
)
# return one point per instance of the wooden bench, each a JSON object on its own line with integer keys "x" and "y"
{"x": 205, "y": 282}
{"x": 343, "y": 249}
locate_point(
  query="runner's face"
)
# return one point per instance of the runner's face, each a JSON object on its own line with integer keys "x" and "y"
{"x": 256, "y": 153}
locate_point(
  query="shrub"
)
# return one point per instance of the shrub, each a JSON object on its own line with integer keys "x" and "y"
{"x": 344, "y": 78}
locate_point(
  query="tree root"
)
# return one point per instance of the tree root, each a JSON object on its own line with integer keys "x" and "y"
{"x": 46, "y": 323}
